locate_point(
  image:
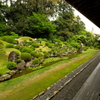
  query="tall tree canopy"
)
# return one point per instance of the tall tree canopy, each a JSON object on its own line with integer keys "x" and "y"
{"x": 32, "y": 18}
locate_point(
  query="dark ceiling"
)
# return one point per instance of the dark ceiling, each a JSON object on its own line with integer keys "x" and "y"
{"x": 89, "y": 8}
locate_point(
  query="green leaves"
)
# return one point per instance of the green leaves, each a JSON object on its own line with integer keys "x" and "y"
{"x": 40, "y": 26}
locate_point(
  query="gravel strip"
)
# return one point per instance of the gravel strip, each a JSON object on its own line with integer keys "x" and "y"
{"x": 51, "y": 91}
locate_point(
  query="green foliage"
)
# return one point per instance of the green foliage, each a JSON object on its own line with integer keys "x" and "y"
{"x": 14, "y": 35}
{"x": 46, "y": 54}
{"x": 17, "y": 53}
{"x": 11, "y": 65}
{"x": 37, "y": 54}
{"x": 18, "y": 60}
{"x": 35, "y": 61}
{"x": 36, "y": 68}
{"x": 8, "y": 39}
{"x": 1, "y": 44}
{"x": 33, "y": 53}
{"x": 3, "y": 26}
{"x": 50, "y": 45}
{"x": 26, "y": 56}
{"x": 17, "y": 47}
{"x": 9, "y": 46}
{"x": 26, "y": 49}
{"x": 35, "y": 44}
{"x": 40, "y": 26}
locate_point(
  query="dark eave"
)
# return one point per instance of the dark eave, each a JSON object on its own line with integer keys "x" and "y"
{"x": 89, "y": 8}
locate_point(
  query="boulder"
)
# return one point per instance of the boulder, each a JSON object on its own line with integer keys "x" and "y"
{"x": 28, "y": 64}
{"x": 12, "y": 72}
{"x": 5, "y": 77}
{"x": 21, "y": 43}
{"x": 12, "y": 57}
{"x": 21, "y": 65}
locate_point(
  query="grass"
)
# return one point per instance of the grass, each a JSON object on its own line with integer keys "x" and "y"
{"x": 24, "y": 38}
{"x": 4, "y": 43}
{"x": 53, "y": 59}
{"x": 27, "y": 86}
{"x": 43, "y": 48}
{"x": 4, "y": 59}
{"x": 8, "y": 50}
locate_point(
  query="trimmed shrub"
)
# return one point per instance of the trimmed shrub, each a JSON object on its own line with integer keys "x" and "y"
{"x": 35, "y": 44}
{"x": 17, "y": 47}
{"x": 9, "y": 46}
{"x": 26, "y": 43}
{"x": 8, "y": 39}
{"x": 50, "y": 45}
{"x": 26, "y": 56}
{"x": 46, "y": 54}
{"x": 30, "y": 40}
{"x": 17, "y": 53}
{"x": 15, "y": 42}
{"x": 33, "y": 53}
{"x": 35, "y": 61}
{"x": 18, "y": 60}
{"x": 26, "y": 49}
{"x": 11, "y": 65}
{"x": 37, "y": 54}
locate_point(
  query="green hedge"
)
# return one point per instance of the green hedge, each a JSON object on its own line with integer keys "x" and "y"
{"x": 9, "y": 46}
{"x": 35, "y": 61}
{"x": 26, "y": 56}
{"x": 11, "y": 65}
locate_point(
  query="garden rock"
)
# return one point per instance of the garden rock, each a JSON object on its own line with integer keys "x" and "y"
{"x": 28, "y": 64}
{"x": 13, "y": 72}
{"x": 21, "y": 65}
{"x": 5, "y": 77}
{"x": 12, "y": 57}
{"x": 21, "y": 43}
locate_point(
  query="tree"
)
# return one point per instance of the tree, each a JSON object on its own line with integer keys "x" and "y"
{"x": 64, "y": 20}
{"x": 2, "y": 19}
{"x": 40, "y": 26}
{"x": 19, "y": 10}
{"x": 78, "y": 26}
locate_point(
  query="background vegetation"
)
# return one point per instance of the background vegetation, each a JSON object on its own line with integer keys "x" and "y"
{"x": 34, "y": 18}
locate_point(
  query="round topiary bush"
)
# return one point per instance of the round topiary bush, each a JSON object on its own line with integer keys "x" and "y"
{"x": 33, "y": 53}
{"x": 11, "y": 65}
{"x": 37, "y": 54}
{"x": 8, "y": 39}
{"x": 9, "y": 46}
{"x": 17, "y": 47}
{"x": 26, "y": 49}
{"x": 50, "y": 45}
{"x": 35, "y": 44}
{"x": 18, "y": 60}
{"x": 35, "y": 61}
{"x": 26, "y": 56}
{"x": 17, "y": 53}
